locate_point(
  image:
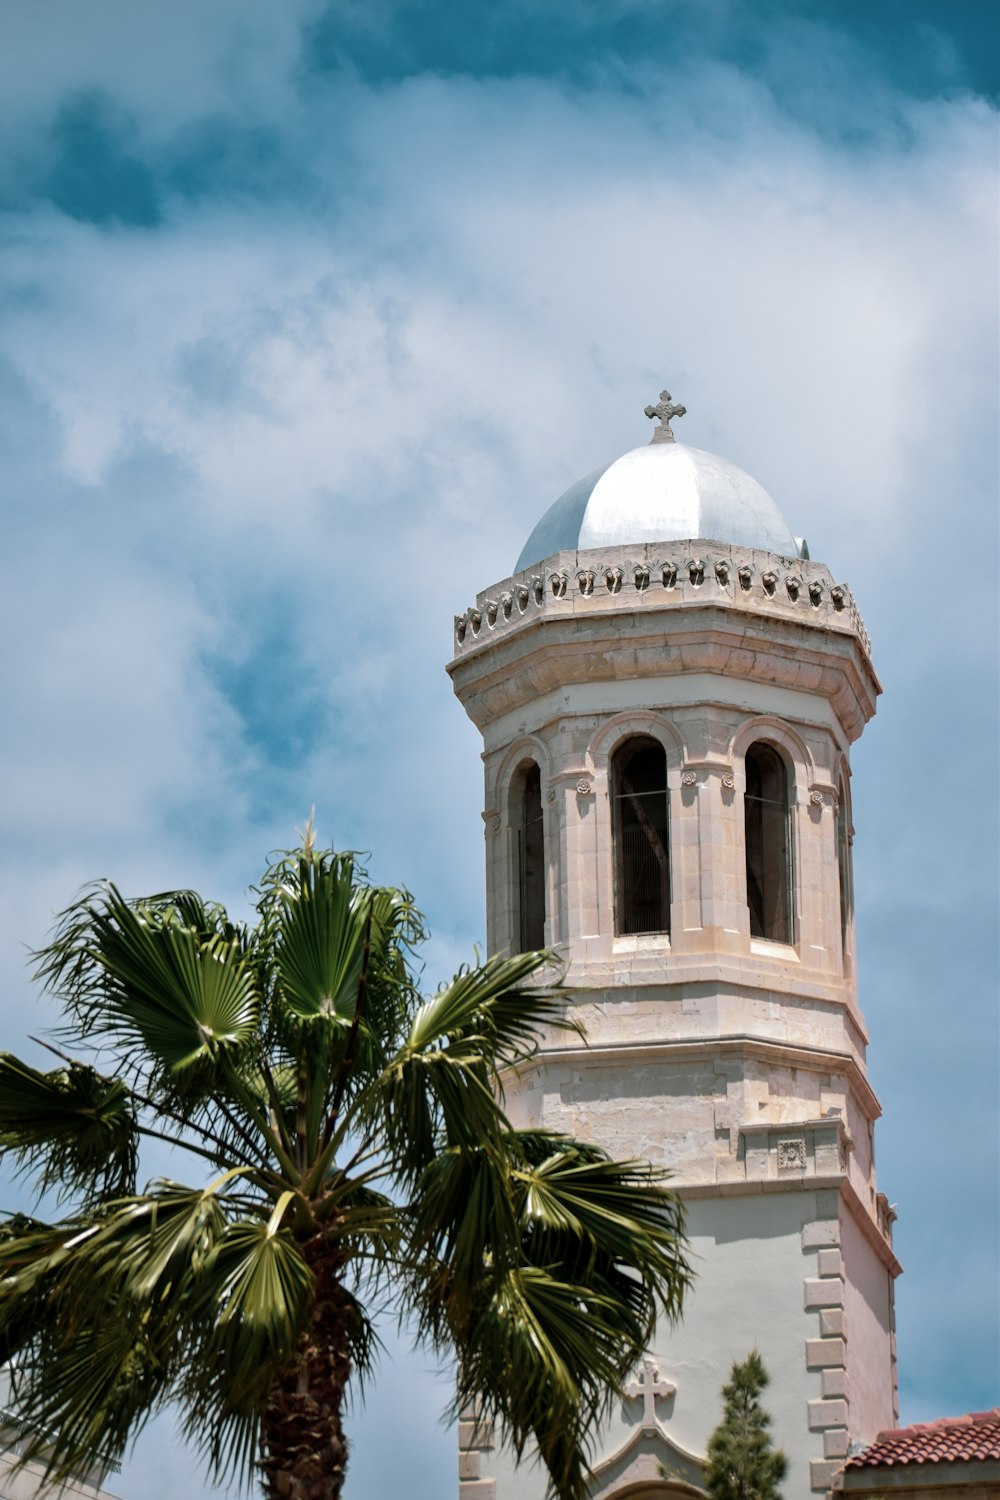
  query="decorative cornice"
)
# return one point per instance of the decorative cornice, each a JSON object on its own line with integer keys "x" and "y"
{"x": 676, "y": 574}
{"x": 557, "y": 646}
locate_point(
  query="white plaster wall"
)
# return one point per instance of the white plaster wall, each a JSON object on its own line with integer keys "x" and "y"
{"x": 868, "y": 1318}
{"x": 750, "y": 1266}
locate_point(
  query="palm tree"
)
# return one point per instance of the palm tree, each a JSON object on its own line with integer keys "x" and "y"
{"x": 351, "y": 1146}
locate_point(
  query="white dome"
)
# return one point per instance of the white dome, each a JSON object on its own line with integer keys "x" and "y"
{"x": 664, "y": 492}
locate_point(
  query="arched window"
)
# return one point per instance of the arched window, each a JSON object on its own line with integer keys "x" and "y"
{"x": 526, "y": 801}
{"x": 769, "y": 845}
{"x": 844, "y": 865}
{"x": 642, "y": 859}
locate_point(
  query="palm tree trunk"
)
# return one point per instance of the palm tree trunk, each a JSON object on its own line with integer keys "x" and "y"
{"x": 303, "y": 1447}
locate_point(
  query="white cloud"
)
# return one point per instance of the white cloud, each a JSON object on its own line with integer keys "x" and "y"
{"x": 163, "y": 63}
{"x": 333, "y": 423}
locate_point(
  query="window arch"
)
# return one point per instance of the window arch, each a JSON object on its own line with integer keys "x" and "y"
{"x": 528, "y": 825}
{"x": 640, "y": 833}
{"x": 767, "y": 813}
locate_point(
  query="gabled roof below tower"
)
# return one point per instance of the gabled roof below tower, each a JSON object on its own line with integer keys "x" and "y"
{"x": 952, "y": 1456}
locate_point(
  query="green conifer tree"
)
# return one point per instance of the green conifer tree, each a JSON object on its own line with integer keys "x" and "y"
{"x": 743, "y": 1463}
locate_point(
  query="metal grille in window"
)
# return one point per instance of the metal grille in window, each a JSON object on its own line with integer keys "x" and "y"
{"x": 768, "y": 844}
{"x": 642, "y": 860}
{"x": 531, "y": 864}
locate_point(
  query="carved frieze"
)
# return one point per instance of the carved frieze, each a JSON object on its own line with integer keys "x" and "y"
{"x": 765, "y": 581}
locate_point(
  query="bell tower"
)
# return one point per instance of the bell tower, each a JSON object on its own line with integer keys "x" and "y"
{"x": 668, "y": 689}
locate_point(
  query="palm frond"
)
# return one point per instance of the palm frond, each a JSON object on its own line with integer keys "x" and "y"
{"x": 159, "y": 1243}
{"x": 109, "y": 1315}
{"x": 444, "y": 1085}
{"x": 576, "y": 1201}
{"x": 366, "y": 1223}
{"x": 255, "y": 1292}
{"x": 135, "y": 973}
{"x": 537, "y": 1361}
{"x": 72, "y": 1128}
{"x": 320, "y": 939}
{"x": 543, "y": 1263}
{"x": 87, "y": 1398}
{"x": 463, "y": 1216}
{"x": 490, "y": 1002}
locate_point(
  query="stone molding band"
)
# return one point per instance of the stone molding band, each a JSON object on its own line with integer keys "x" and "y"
{"x": 740, "y": 575}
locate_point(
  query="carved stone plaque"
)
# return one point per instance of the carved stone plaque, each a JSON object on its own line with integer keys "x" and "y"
{"x": 791, "y": 1154}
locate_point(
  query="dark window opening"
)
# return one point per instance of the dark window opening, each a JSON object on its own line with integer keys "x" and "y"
{"x": 531, "y": 864}
{"x": 768, "y": 841}
{"x": 642, "y": 861}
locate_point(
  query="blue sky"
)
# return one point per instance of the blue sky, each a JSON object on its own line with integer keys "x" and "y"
{"x": 309, "y": 310}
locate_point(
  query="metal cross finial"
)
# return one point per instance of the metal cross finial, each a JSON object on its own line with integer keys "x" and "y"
{"x": 647, "y": 1386}
{"x": 664, "y": 409}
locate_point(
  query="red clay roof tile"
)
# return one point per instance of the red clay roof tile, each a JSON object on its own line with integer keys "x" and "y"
{"x": 948, "y": 1440}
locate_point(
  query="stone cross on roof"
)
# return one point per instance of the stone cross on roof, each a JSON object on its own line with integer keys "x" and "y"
{"x": 646, "y": 1387}
{"x": 664, "y": 409}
